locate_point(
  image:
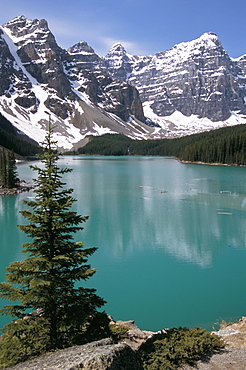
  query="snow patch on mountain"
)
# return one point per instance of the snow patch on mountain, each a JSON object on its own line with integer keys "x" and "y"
{"x": 192, "y": 87}
{"x": 177, "y": 124}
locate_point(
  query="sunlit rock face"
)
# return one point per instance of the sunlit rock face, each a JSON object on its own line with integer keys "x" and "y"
{"x": 195, "y": 78}
{"x": 193, "y": 87}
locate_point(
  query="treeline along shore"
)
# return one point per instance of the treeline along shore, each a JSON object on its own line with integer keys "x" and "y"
{"x": 223, "y": 146}
{"x": 226, "y": 145}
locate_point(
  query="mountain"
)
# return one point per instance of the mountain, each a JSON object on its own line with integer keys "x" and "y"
{"x": 41, "y": 81}
{"x": 194, "y": 86}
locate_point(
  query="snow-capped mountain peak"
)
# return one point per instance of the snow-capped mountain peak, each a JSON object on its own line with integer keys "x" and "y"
{"x": 117, "y": 49}
{"x": 23, "y": 30}
{"x": 40, "y": 80}
{"x": 193, "y": 86}
{"x": 208, "y": 39}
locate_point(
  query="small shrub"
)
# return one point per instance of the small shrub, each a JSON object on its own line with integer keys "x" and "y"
{"x": 22, "y": 340}
{"x": 118, "y": 332}
{"x": 169, "y": 350}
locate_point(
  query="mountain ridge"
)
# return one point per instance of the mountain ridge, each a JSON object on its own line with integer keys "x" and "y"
{"x": 194, "y": 86}
{"x": 203, "y": 59}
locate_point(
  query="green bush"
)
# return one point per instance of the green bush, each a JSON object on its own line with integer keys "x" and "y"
{"x": 118, "y": 332}
{"x": 169, "y": 350}
{"x": 28, "y": 338}
{"x": 22, "y": 340}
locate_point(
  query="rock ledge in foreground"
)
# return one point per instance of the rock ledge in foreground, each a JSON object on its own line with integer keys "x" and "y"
{"x": 99, "y": 355}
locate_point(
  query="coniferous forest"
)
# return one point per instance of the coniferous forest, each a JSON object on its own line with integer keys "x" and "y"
{"x": 225, "y": 145}
{"x": 13, "y": 145}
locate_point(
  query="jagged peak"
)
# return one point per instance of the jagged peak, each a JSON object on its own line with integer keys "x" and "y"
{"x": 81, "y": 47}
{"x": 209, "y": 34}
{"x": 22, "y": 25}
{"x": 20, "y": 21}
{"x": 117, "y": 49}
{"x": 20, "y": 18}
{"x": 209, "y": 38}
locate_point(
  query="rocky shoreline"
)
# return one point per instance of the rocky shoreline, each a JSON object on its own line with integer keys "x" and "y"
{"x": 23, "y": 187}
{"x": 233, "y": 356}
{"x": 105, "y": 355}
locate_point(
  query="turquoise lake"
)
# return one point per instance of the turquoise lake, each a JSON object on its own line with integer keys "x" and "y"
{"x": 171, "y": 237}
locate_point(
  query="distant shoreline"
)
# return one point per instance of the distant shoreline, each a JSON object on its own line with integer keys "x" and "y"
{"x": 212, "y": 163}
{"x": 164, "y": 156}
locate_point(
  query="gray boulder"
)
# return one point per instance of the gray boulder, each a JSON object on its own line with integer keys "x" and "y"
{"x": 100, "y": 355}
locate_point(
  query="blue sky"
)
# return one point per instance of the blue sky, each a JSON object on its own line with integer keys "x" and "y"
{"x": 143, "y": 27}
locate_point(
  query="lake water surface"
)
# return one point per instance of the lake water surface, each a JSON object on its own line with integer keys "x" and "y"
{"x": 171, "y": 237}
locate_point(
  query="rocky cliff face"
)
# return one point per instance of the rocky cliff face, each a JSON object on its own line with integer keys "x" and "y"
{"x": 86, "y": 70}
{"x": 194, "y": 86}
{"x": 39, "y": 55}
{"x": 13, "y": 80}
{"x": 194, "y": 78}
{"x": 73, "y": 88}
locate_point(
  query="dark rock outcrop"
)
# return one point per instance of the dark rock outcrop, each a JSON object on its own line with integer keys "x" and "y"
{"x": 13, "y": 80}
{"x": 123, "y": 100}
{"x": 85, "y": 68}
{"x": 39, "y": 53}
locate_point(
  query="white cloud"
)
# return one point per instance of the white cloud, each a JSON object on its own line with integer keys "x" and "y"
{"x": 65, "y": 30}
{"x": 68, "y": 33}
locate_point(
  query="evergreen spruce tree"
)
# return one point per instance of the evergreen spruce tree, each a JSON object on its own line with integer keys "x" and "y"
{"x": 8, "y": 171}
{"x": 12, "y": 175}
{"x": 51, "y": 310}
{"x": 3, "y": 169}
